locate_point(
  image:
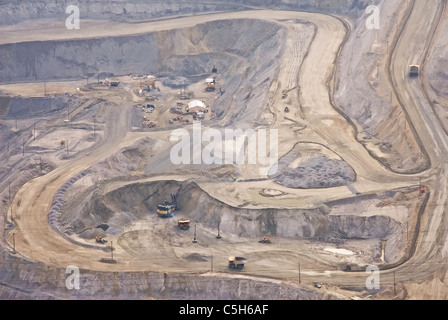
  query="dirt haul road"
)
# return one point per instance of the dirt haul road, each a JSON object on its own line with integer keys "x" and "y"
{"x": 413, "y": 47}
{"x": 35, "y": 240}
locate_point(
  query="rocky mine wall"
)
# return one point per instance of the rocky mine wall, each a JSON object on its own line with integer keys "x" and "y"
{"x": 173, "y": 52}
{"x": 117, "y": 209}
{"x": 12, "y": 12}
{"x": 20, "y": 279}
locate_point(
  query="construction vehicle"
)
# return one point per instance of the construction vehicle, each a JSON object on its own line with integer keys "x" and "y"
{"x": 414, "y": 70}
{"x": 148, "y": 124}
{"x": 176, "y": 119}
{"x": 177, "y": 110}
{"x": 114, "y": 82}
{"x": 150, "y": 108}
{"x": 100, "y": 239}
{"x": 237, "y": 262}
{"x": 265, "y": 240}
{"x": 210, "y": 82}
{"x": 183, "y": 223}
{"x": 166, "y": 209}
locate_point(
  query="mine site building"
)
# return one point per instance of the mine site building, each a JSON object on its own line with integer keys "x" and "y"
{"x": 196, "y": 106}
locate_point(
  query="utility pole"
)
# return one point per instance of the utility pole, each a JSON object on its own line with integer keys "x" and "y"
{"x": 45, "y": 88}
{"x": 94, "y": 124}
{"x": 66, "y": 142}
{"x": 395, "y": 291}
{"x": 23, "y": 146}
{"x": 111, "y": 251}
{"x": 211, "y": 262}
{"x": 68, "y": 115}
{"x": 407, "y": 232}
{"x": 34, "y": 129}
{"x": 14, "y": 243}
{"x": 300, "y": 280}
{"x": 219, "y": 235}
{"x": 194, "y": 240}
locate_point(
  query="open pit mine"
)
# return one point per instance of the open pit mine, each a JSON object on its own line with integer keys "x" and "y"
{"x": 243, "y": 150}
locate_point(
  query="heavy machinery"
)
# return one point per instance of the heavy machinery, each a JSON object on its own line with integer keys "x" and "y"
{"x": 183, "y": 223}
{"x": 265, "y": 240}
{"x": 166, "y": 209}
{"x": 414, "y": 70}
{"x": 210, "y": 82}
{"x": 237, "y": 262}
{"x": 114, "y": 82}
{"x": 100, "y": 239}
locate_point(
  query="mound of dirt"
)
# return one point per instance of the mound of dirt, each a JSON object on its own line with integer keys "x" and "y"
{"x": 195, "y": 257}
{"x": 316, "y": 172}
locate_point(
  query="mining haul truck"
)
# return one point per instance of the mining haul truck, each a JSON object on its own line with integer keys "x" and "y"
{"x": 237, "y": 262}
{"x": 414, "y": 70}
{"x": 183, "y": 223}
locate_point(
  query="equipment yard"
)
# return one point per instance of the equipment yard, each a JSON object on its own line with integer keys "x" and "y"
{"x": 114, "y": 141}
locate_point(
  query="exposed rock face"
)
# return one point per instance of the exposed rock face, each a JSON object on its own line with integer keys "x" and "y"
{"x": 17, "y": 11}
{"x": 362, "y": 94}
{"x": 187, "y": 52}
{"x": 24, "y": 280}
{"x": 112, "y": 210}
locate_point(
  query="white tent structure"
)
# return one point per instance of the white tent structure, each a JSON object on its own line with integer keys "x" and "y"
{"x": 196, "y": 105}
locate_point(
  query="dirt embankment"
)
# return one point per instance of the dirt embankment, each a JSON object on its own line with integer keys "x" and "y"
{"x": 120, "y": 10}
{"x": 18, "y": 11}
{"x": 36, "y": 281}
{"x": 434, "y": 77}
{"x": 187, "y": 52}
{"x": 364, "y": 94}
{"x": 113, "y": 212}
